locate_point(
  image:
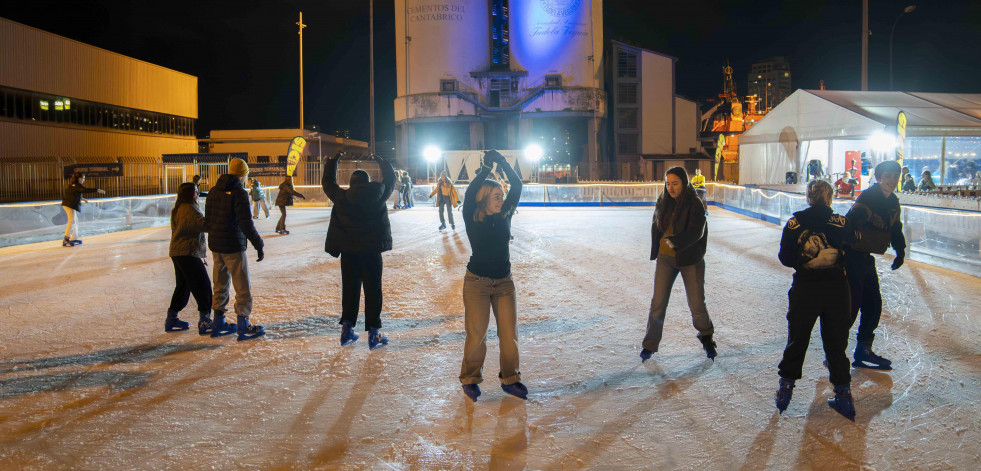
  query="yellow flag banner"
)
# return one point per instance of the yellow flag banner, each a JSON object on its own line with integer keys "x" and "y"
{"x": 900, "y": 137}
{"x": 294, "y": 153}
{"x": 718, "y": 154}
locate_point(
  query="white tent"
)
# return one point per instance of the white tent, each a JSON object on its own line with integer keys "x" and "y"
{"x": 822, "y": 125}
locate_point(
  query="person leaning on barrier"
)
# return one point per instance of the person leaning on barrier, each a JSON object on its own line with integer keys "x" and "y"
{"x": 876, "y": 219}
{"x": 698, "y": 182}
{"x": 72, "y": 204}
{"x": 196, "y": 180}
{"x": 813, "y": 244}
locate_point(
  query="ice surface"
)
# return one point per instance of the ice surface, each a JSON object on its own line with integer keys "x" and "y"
{"x": 88, "y": 378}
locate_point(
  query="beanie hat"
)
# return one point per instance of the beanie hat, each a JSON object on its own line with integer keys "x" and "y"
{"x": 238, "y": 167}
{"x": 887, "y": 166}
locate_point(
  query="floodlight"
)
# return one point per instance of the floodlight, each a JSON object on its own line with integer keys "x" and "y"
{"x": 431, "y": 153}
{"x": 534, "y": 152}
{"x": 882, "y": 143}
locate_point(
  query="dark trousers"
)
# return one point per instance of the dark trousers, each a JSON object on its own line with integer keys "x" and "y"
{"x": 863, "y": 280}
{"x": 357, "y": 270}
{"x": 828, "y": 301}
{"x": 192, "y": 277}
{"x": 281, "y": 225}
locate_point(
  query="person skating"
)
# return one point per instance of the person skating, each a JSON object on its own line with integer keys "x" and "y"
{"x": 230, "y": 225}
{"x": 187, "y": 248}
{"x": 406, "y": 190}
{"x": 284, "y": 199}
{"x": 72, "y": 204}
{"x": 679, "y": 235}
{"x": 358, "y": 232}
{"x": 813, "y": 244}
{"x": 197, "y": 182}
{"x": 698, "y": 183}
{"x": 446, "y": 197}
{"x": 488, "y": 284}
{"x": 258, "y": 198}
{"x": 398, "y": 190}
{"x": 876, "y": 217}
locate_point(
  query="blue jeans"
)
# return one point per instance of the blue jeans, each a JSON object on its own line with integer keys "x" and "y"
{"x": 480, "y": 295}
{"x": 664, "y": 275}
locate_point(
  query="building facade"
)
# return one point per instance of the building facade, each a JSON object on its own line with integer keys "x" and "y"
{"x": 62, "y": 99}
{"x": 769, "y": 80}
{"x": 500, "y": 74}
{"x": 653, "y": 128}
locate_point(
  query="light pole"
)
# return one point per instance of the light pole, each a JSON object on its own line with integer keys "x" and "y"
{"x": 906, "y": 10}
{"x": 371, "y": 74}
{"x": 301, "y": 25}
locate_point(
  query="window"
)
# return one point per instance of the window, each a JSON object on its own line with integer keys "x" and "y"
{"x": 262, "y": 159}
{"x": 626, "y": 143}
{"x": 626, "y": 64}
{"x": 553, "y": 80}
{"x": 627, "y": 93}
{"x": 447, "y": 85}
{"x": 627, "y": 118}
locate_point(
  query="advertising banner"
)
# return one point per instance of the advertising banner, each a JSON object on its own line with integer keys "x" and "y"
{"x": 267, "y": 170}
{"x": 718, "y": 154}
{"x": 294, "y": 154}
{"x": 900, "y": 137}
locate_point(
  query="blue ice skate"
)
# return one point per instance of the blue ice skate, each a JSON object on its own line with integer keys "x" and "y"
{"x": 348, "y": 336}
{"x": 645, "y": 354}
{"x": 784, "y": 393}
{"x": 173, "y": 323}
{"x": 517, "y": 390}
{"x": 472, "y": 391}
{"x": 375, "y": 339}
{"x": 248, "y": 331}
{"x": 219, "y": 327}
{"x": 842, "y": 402}
{"x": 866, "y": 358}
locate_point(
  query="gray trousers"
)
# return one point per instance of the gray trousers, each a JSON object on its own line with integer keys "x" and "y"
{"x": 480, "y": 295}
{"x": 664, "y": 276}
{"x": 234, "y": 266}
{"x": 445, "y": 203}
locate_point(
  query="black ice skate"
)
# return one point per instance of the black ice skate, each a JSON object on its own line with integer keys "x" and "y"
{"x": 866, "y": 358}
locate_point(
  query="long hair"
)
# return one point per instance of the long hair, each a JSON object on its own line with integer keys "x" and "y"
{"x": 186, "y": 194}
{"x": 482, "y": 194}
{"x": 75, "y": 178}
{"x": 667, "y": 205}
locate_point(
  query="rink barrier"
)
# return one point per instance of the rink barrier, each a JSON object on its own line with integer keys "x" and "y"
{"x": 947, "y": 238}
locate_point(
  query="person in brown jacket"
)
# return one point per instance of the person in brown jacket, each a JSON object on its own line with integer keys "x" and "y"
{"x": 284, "y": 199}
{"x": 446, "y": 196}
{"x": 187, "y": 248}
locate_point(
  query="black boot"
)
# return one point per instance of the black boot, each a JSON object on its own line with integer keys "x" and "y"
{"x": 173, "y": 323}
{"x": 205, "y": 326}
{"x": 709, "y": 347}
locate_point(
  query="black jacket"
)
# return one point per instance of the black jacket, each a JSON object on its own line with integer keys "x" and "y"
{"x": 359, "y": 219}
{"x": 229, "y": 218}
{"x": 73, "y": 195}
{"x": 876, "y": 218}
{"x": 807, "y": 233}
{"x": 691, "y": 233}
{"x": 286, "y": 194}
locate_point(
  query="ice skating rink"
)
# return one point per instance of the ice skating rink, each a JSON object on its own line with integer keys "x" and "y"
{"x": 89, "y": 379}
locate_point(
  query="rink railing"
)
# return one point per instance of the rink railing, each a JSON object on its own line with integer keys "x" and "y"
{"x": 947, "y": 238}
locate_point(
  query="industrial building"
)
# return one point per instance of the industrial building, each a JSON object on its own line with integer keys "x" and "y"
{"x": 60, "y": 98}
{"x": 478, "y": 74}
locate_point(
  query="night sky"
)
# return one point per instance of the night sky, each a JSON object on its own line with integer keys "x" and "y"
{"x": 245, "y": 53}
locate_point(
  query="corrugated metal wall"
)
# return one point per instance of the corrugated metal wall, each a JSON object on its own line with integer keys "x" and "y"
{"x": 31, "y": 59}
{"x": 29, "y": 140}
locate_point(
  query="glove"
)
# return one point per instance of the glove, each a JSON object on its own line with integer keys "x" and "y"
{"x": 898, "y": 262}
{"x": 261, "y": 255}
{"x": 492, "y": 157}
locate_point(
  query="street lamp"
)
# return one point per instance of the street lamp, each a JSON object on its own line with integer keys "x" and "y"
{"x": 534, "y": 153}
{"x": 432, "y": 155}
{"x": 906, "y": 10}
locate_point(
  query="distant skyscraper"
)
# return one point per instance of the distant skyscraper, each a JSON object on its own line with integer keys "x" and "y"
{"x": 769, "y": 79}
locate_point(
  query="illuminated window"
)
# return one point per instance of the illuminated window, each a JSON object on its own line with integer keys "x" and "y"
{"x": 44, "y": 105}
{"x": 59, "y": 105}
{"x": 68, "y": 104}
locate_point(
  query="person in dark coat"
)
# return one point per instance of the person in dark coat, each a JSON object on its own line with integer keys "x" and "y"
{"x": 487, "y": 284}
{"x": 284, "y": 199}
{"x": 679, "y": 235}
{"x": 813, "y": 245}
{"x": 187, "y": 248}
{"x": 358, "y": 232}
{"x": 72, "y": 204}
{"x": 876, "y": 217}
{"x": 230, "y": 225}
